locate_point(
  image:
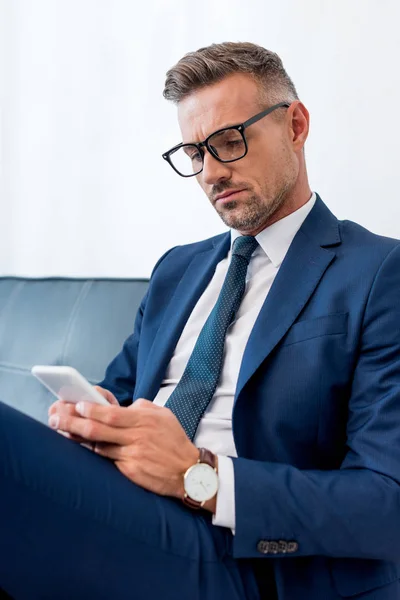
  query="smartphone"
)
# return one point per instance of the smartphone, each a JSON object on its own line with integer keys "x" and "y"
{"x": 66, "y": 383}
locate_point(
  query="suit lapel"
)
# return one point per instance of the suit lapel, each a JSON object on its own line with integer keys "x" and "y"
{"x": 305, "y": 263}
{"x": 190, "y": 288}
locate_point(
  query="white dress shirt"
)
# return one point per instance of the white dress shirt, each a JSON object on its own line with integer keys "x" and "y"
{"x": 215, "y": 428}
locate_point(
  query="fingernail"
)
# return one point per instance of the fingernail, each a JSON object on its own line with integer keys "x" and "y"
{"x": 54, "y": 421}
{"x": 88, "y": 446}
{"x": 80, "y": 408}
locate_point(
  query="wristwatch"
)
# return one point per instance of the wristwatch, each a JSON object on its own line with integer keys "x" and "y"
{"x": 201, "y": 480}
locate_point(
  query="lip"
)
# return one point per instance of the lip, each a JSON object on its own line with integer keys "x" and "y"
{"x": 228, "y": 194}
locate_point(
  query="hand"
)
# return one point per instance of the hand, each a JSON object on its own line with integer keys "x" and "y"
{"x": 62, "y": 407}
{"x": 146, "y": 442}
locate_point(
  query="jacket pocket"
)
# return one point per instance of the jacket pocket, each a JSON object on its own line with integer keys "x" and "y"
{"x": 311, "y": 328}
{"x": 355, "y": 576}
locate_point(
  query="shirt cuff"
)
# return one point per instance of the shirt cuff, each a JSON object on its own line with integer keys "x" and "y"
{"x": 225, "y": 510}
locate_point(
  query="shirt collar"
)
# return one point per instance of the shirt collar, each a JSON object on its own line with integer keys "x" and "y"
{"x": 276, "y": 239}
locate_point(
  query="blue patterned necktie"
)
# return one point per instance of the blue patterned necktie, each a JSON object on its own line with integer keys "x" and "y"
{"x": 198, "y": 383}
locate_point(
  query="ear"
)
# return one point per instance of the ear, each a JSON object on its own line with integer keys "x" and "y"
{"x": 299, "y": 125}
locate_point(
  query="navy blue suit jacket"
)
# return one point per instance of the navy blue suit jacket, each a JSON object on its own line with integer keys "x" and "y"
{"x": 316, "y": 417}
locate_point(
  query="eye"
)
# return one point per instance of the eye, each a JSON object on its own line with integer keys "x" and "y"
{"x": 195, "y": 156}
{"x": 193, "y": 153}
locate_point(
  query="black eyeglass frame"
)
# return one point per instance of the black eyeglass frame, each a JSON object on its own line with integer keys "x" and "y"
{"x": 200, "y": 145}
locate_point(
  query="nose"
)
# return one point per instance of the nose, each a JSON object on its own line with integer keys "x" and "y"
{"x": 214, "y": 171}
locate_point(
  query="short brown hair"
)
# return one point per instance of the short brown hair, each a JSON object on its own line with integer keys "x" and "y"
{"x": 213, "y": 63}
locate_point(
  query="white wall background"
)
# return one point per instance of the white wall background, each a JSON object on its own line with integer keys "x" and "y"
{"x": 83, "y": 188}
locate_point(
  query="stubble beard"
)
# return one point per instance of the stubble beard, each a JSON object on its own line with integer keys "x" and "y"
{"x": 254, "y": 213}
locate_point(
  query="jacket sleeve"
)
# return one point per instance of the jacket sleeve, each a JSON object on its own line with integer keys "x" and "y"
{"x": 120, "y": 375}
{"x": 353, "y": 511}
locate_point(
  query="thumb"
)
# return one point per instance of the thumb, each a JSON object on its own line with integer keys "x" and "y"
{"x": 109, "y": 396}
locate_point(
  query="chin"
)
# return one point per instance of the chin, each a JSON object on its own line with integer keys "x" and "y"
{"x": 240, "y": 222}
{"x": 230, "y": 221}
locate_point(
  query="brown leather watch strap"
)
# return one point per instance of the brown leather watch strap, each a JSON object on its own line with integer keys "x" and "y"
{"x": 191, "y": 503}
{"x": 207, "y": 457}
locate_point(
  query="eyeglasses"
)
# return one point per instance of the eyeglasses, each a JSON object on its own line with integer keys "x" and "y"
{"x": 226, "y": 145}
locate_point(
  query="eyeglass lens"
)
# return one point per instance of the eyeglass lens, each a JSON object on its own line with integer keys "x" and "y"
{"x": 226, "y": 145}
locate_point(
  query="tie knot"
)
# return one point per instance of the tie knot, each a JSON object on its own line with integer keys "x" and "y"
{"x": 244, "y": 246}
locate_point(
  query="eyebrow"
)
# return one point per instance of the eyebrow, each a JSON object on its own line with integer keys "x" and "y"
{"x": 235, "y": 124}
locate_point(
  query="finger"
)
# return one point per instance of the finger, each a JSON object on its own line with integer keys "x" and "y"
{"x": 70, "y": 436}
{"x": 142, "y": 403}
{"x": 90, "y": 430}
{"x": 88, "y": 446}
{"x": 63, "y": 408}
{"x": 60, "y": 405}
{"x": 109, "y": 396}
{"x": 112, "y": 451}
{"x": 114, "y": 416}
{"x": 74, "y": 438}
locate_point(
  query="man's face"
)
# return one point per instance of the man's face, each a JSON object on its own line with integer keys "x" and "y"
{"x": 256, "y": 188}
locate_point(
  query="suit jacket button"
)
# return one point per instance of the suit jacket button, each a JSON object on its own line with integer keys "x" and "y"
{"x": 292, "y": 547}
{"x": 263, "y": 546}
{"x": 273, "y": 547}
{"x": 282, "y": 547}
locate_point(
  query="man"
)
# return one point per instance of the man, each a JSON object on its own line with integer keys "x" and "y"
{"x": 275, "y": 347}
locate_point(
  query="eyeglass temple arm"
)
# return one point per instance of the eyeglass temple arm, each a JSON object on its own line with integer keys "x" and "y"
{"x": 201, "y": 145}
{"x": 264, "y": 113}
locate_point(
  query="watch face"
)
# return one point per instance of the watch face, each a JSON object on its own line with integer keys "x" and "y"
{"x": 201, "y": 482}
